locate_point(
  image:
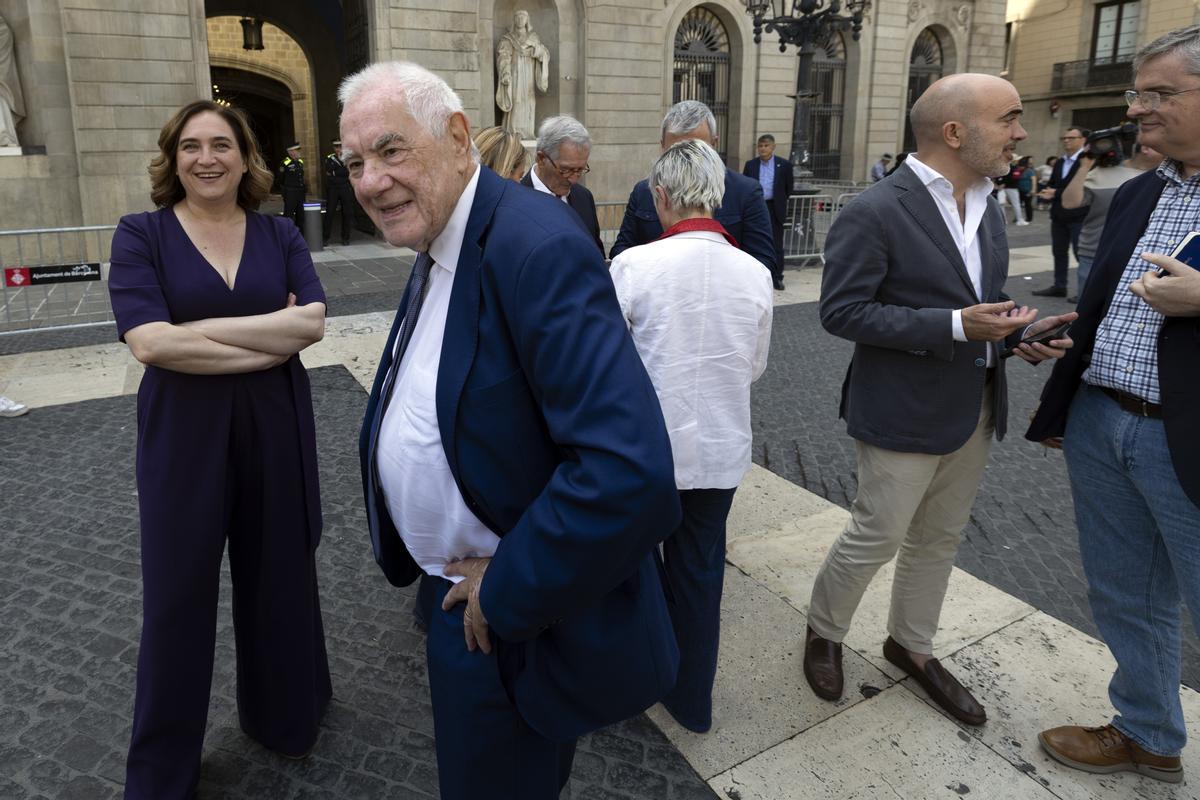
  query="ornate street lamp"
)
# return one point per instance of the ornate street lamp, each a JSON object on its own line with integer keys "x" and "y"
{"x": 804, "y": 23}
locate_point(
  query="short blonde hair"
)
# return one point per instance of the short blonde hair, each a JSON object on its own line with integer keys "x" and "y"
{"x": 501, "y": 151}
{"x": 692, "y": 174}
{"x": 165, "y": 187}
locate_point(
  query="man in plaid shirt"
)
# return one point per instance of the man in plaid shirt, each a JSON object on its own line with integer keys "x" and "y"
{"x": 1125, "y": 407}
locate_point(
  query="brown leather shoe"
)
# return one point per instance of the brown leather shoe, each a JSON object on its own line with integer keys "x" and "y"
{"x": 941, "y": 686}
{"x": 823, "y": 666}
{"x": 1104, "y": 750}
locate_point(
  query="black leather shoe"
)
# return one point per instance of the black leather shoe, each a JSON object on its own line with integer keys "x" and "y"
{"x": 823, "y": 666}
{"x": 1073, "y": 299}
{"x": 1051, "y": 291}
{"x": 941, "y": 686}
{"x": 778, "y": 282}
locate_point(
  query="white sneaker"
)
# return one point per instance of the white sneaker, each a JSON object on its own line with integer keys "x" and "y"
{"x": 1022, "y": 222}
{"x": 10, "y": 408}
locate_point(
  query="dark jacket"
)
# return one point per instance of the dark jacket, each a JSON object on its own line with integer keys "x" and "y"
{"x": 1178, "y": 341}
{"x": 743, "y": 213}
{"x": 554, "y": 435}
{"x": 784, "y": 178}
{"x": 892, "y": 280}
{"x": 291, "y": 174}
{"x": 584, "y": 206}
{"x": 1058, "y": 183}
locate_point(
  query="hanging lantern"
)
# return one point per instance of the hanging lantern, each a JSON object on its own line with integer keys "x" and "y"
{"x": 252, "y": 34}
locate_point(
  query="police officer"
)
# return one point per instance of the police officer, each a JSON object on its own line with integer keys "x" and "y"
{"x": 291, "y": 179}
{"x": 338, "y": 193}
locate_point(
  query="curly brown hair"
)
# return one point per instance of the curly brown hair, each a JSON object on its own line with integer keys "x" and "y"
{"x": 165, "y": 187}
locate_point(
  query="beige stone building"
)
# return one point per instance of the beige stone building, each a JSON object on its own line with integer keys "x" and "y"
{"x": 100, "y": 77}
{"x": 1070, "y": 59}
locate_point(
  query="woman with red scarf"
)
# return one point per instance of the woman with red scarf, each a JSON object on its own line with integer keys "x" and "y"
{"x": 699, "y": 310}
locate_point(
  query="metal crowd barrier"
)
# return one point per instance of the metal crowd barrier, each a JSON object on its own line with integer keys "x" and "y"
{"x": 609, "y": 215}
{"x": 809, "y": 218}
{"x": 54, "y": 277}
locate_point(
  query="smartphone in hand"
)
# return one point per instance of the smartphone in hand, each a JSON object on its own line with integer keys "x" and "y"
{"x": 1045, "y": 337}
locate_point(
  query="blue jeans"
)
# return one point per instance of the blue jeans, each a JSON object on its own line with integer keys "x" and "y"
{"x": 1139, "y": 536}
{"x": 1085, "y": 269}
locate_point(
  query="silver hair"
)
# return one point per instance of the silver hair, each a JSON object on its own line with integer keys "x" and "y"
{"x": 685, "y": 116}
{"x": 428, "y": 98}
{"x": 1185, "y": 41}
{"x": 554, "y": 132}
{"x": 692, "y": 174}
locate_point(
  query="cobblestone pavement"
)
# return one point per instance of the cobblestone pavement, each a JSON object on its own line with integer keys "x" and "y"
{"x": 1022, "y": 536}
{"x": 70, "y": 617}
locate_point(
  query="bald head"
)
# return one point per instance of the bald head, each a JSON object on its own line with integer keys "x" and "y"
{"x": 968, "y": 124}
{"x": 954, "y": 98}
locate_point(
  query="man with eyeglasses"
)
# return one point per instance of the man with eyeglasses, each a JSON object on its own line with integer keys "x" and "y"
{"x": 563, "y": 147}
{"x": 1065, "y": 224}
{"x": 1124, "y": 405}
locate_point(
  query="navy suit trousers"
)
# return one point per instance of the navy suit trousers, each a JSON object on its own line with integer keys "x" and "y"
{"x": 484, "y": 747}
{"x": 694, "y": 560}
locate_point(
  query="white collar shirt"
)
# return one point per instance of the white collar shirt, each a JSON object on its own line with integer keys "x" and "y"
{"x": 541, "y": 187}
{"x": 699, "y": 311}
{"x": 422, "y": 497}
{"x": 964, "y": 230}
{"x": 1066, "y": 162}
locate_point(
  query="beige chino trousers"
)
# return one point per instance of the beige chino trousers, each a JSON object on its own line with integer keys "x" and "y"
{"x": 914, "y": 504}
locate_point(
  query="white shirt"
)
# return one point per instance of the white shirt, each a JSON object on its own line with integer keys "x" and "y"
{"x": 699, "y": 310}
{"x": 1066, "y": 162}
{"x": 963, "y": 230}
{"x": 541, "y": 187}
{"x": 422, "y": 498}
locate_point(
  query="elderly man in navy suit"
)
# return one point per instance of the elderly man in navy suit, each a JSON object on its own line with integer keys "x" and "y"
{"x": 914, "y": 276}
{"x": 775, "y": 176}
{"x": 514, "y": 455}
{"x": 563, "y": 148}
{"x": 743, "y": 213}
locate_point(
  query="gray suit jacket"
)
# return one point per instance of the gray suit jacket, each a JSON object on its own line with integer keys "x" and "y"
{"x": 892, "y": 278}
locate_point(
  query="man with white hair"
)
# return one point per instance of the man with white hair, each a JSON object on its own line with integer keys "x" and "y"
{"x": 513, "y": 453}
{"x": 699, "y": 310}
{"x": 563, "y": 147}
{"x": 743, "y": 211}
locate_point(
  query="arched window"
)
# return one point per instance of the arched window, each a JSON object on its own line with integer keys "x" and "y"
{"x": 828, "y": 102}
{"x": 925, "y": 66}
{"x": 702, "y": 66}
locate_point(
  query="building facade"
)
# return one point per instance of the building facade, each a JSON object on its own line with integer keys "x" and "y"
{"x": 1071, "y": 60}
{"x": 101, "y": 76}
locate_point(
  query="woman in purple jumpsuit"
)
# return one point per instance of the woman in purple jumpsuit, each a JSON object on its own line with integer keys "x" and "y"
{"x": 217, "y": 300}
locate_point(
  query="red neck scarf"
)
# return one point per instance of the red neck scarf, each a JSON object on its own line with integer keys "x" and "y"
{"x": 698, "y": 224}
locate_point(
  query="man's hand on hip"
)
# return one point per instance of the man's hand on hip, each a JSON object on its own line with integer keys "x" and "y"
{"x": 475, "y": 625}
{"x": 1173, "y": 290}
{"x": 991, "y": 322}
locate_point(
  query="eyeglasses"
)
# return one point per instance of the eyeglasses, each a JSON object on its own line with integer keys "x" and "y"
{"x": 573, "y": 172}
{"x": 1151, "y": 100}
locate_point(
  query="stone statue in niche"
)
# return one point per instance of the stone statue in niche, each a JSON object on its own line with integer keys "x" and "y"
{"x": 12, "y": 105}
{"x": 523, "y": 69}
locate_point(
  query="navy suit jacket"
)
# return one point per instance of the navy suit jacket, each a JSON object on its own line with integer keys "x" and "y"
{"x": 892, "y": 279}
{"x": 554, "y": 435}
{"x": 1178, "y": 341}
{"x": 743, "y": 213}
{"x": 784, "y": 178}
{"x": 581, "y": 201}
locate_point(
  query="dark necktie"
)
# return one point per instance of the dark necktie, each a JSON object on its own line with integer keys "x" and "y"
{"x": 416, "y": 296}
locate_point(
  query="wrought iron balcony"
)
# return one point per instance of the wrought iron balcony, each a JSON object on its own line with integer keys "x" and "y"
{"x": 1087, "y": 74}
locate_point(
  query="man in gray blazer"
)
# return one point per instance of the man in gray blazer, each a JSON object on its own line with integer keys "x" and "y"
{"x": 914, "y": 276}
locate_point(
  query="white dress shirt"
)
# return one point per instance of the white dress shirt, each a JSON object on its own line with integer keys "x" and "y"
{"x": 699, "y": 310}
{"x": 541, "y": 187}
{"x": 964, "y": 230}
{"x": 422, "y": 498}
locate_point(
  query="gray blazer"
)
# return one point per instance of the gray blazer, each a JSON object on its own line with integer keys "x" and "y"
{"x": 892, "y": 278}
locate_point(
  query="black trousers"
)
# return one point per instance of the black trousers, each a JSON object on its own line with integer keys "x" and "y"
{"x": 1063, "y": 236}
{"x": 293, "y": 206}
{"x": 339, "y": 197}
{"x": 777, "y": 236}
